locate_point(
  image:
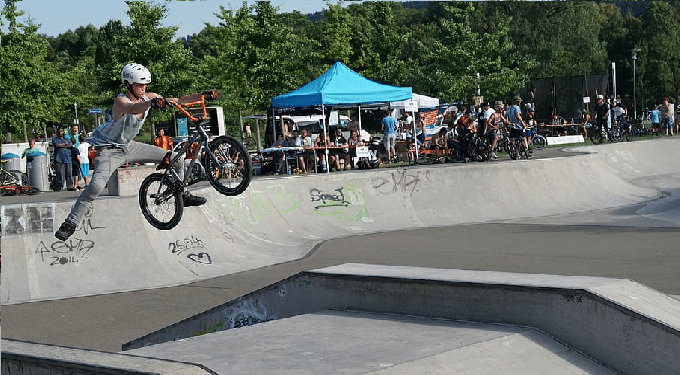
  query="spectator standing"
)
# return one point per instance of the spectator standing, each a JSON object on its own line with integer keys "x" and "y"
{"x": 83, "y": 161}
{"x": 389, "y": 128}
{"x": 601, "y": 114}
{"x": 163, "y": 141}
{"x": 74, "y": 137}
{"x": 63, "y": 164}
{"x": 31, "y": 149}
{"x": 493, "y": 124}
{"x": 517, "y": 124}
{"x": 667, "y": 116}
{"x": 655, "y": 115}
{"x": 482, "y": 118}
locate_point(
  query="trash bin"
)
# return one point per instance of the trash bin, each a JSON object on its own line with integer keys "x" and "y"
{"x": 13, "y": 162}
{"x": 36, "y": 169}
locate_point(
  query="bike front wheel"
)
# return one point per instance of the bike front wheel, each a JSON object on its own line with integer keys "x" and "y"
{"x": 160, "y": 201}
{"x": 231, "y": 169}
{"x": 539, "y": 142}
{"x": 512, "y": 151}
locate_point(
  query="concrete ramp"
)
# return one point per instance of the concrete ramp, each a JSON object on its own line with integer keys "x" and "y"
{"x": 281, "y": 219}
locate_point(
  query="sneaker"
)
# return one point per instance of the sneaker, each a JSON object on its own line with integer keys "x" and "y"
{"x": 192, "y": 200}
{"x": 65, "y": 230}
{"x": 493, "y": 156}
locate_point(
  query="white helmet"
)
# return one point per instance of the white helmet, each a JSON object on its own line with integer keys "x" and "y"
{"x": 135, "y": 73}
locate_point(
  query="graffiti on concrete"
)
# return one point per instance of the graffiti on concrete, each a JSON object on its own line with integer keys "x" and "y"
{"x": 24, "y": 219}
{"x": 246, "y": 313}
{"x": 188, "y": 246}
{"x": 345, "y": 203}
{"x": 400, "y": 180}
{"x": 61, "y": 253}
{"x": 252, "y": 208}
{"x": 328, "y": 200}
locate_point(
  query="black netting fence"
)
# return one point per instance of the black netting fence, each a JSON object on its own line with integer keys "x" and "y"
{"x": 563, "y": 96}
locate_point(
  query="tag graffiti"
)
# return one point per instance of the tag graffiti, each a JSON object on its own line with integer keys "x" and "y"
{"x": 188, "y": 244}
{"x": 344, "y": 203}
{"x": 61, "y": 253}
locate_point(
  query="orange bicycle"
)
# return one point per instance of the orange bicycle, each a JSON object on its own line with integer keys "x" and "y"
{"x": 225, "y": 161}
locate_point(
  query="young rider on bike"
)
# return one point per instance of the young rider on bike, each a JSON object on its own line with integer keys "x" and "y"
{"x": 114, "y": 143}
{"x": 517, "y": 124}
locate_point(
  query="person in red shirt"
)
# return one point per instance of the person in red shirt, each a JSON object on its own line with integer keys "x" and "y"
{"x": 163, "y": 141}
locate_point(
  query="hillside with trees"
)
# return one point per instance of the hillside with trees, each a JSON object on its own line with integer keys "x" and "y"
{"x": 255, "y": 52}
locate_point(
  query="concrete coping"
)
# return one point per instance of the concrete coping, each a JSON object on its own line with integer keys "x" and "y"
{"x": 24, "y": 358}
{"x": 625, "y": 293}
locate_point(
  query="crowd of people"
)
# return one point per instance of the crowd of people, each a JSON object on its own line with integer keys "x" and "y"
{"x": 71, "y": 159}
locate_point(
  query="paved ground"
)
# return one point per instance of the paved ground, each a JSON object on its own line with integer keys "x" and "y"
{"x": 628, "y": 242}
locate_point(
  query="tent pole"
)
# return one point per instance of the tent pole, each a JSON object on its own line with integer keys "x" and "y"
{"x": 273, "y": 124}
{"x": 415, "y": 138}
{"x": 325, "y": 137}
{"x": 359, "y": 115}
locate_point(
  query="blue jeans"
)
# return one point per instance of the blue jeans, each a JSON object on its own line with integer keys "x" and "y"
{"x": 64, "y": 171}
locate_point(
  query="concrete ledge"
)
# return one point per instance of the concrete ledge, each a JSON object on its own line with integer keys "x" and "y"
{"x": 622, "y": 324}
{"x": 126, "y": 181}
{"x": 26, "y": 358}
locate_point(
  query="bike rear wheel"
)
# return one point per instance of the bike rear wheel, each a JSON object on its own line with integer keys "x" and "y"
{"x": 231, "y": 171}
{"x": 161, "y": 201}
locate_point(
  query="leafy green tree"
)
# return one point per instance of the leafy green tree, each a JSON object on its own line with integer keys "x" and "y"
{"x": 256, "y": 56}
{"x": 34, "y": 91}
{"x": 660, "y": 50}
{"x": 337, "y": 34}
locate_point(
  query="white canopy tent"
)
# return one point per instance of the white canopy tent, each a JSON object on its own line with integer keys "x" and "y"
{"x": 416, "y": 102}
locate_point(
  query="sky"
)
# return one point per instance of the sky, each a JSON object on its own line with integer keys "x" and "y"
{"x": 59, "y": 16}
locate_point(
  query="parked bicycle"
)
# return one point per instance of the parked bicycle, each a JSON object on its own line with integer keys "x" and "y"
{"x": 13, "y": 183}
{"x": 224, "y": 159}
{"x": 599, "y": 134}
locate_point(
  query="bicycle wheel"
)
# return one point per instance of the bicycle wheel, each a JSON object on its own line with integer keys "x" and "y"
{"x": 160, "y": 201}
{"x": 231, "y": 171}
{"x": 27, "y": 190}
{"x": 539, "y": 142}
{"x": 512, "y": 151}
{"x": 616, "y": 135}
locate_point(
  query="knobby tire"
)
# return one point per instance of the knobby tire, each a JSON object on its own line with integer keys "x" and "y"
{"x": 233, "y": 171}
{"x": 166, "y": 214}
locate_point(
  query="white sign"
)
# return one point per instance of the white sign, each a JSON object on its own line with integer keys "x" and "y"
{"x": 565, "y": 139}
{"x": 362, "y": 152}
{"x": 411, "y": 106}
{"x": 586, "y": 99}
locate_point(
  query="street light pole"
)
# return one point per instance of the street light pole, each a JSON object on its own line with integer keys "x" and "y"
{"x": 75, "y": 106}
{"x": 634, "y": 98}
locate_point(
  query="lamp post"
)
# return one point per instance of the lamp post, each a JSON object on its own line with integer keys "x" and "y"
{"x": 634, "y": 50}
{"x": 75, "y": 107}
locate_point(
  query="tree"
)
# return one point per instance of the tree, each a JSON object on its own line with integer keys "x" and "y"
{"x": 660, "y": 50}
{"x": 34, "y": 92}
{"x": 257, "y": 56}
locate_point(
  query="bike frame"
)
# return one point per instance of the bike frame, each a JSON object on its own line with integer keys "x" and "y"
{"x": 199, "y": 136}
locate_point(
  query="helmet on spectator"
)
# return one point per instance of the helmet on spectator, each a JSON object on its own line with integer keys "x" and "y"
{"x": 135, "y": 73}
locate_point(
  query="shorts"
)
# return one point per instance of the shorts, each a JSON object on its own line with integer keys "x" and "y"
{"x": 516, "y": 133}
{"x": 491, "y": 134}
{"x": 390, "y": 141}
{"x": 656, "y": 125}
{"x": 85, "y": 169}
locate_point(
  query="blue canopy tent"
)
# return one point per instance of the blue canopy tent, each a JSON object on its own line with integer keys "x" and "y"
{"x": 341, "y": 86}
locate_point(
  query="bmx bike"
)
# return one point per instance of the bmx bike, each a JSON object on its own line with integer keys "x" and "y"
{"x": 224, "y": 159}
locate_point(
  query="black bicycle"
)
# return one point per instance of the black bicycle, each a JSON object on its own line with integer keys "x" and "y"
{"x": 224, "y": 160}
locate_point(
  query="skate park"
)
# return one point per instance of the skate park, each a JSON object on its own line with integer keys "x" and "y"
{"x": 563, "y": 264}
